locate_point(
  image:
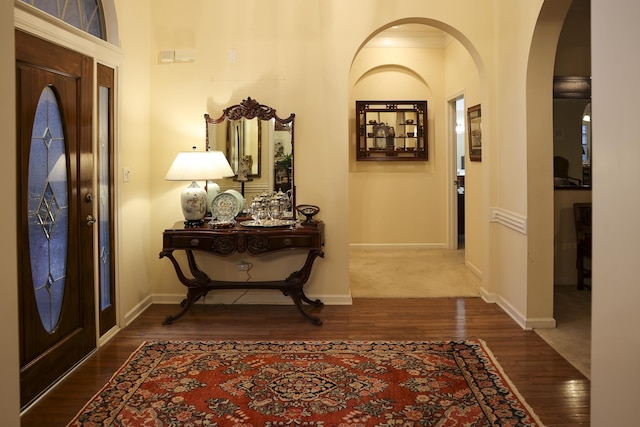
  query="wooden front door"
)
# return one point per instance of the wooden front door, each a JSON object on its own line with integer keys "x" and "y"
{"x": 55, "y": 164}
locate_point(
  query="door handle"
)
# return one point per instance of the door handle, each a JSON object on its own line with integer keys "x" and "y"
{"x": 90, "y": 220}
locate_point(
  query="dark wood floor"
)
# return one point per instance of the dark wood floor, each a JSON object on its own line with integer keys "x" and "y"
{"x": 556, "y": 391}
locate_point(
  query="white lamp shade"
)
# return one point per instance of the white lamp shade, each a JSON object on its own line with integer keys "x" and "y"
{"x": 199, "y": 166}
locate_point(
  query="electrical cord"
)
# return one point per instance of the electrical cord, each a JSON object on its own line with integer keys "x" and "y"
{"x": 237, "y": 299}
{"x": 249, "y": 267}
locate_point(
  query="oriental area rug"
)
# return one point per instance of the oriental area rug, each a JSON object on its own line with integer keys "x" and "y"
{"x": 308, "y": 384}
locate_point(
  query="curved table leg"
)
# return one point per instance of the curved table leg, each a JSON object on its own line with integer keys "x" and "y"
{"x": 297, "y": 299}
{"x": 193, "y": 295}
{"x": 296, "y": 281}
{"x": 316, "y": 303}
{"x": 201, "y": 284}
{"x": 194, "y": 288}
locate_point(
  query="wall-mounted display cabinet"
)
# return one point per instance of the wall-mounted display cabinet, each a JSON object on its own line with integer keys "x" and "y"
{"x": 391, "y": 130}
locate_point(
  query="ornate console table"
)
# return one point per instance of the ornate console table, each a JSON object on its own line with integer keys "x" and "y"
{"x": 254, "y": 241}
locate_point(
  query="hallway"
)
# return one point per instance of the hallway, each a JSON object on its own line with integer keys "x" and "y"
{"x": 441, "y": 273}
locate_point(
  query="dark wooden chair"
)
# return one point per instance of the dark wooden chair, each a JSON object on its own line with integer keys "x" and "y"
{"x": 582, "y": 215}
{"x": 561, "y": 173}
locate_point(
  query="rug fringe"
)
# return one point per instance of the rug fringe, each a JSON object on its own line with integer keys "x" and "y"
{"x": 510, "y": 383}
{"x": 115, "y": 374}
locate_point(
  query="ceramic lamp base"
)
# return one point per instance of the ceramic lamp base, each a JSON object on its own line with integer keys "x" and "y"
{"x": 194, "y": 202}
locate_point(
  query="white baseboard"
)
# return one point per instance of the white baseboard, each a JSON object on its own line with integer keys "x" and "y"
{"x": 392, "y": 246}
{"x": 107, "y": 336}
{"x": 512, "y": 311}
{"x": 487, "y": 296}
{"x": 475, "y": 270}
{"x": 250, "y": 297}
{"x": 541, "y": 323}
{"x": 137, "y": 310}
{"x": 525, "y": 323}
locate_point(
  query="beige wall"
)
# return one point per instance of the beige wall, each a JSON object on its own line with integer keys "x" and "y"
{"x": 303, "y": 69}
{"x": 134, "y": 152}
{"x": 292, "y": 59}
{"x": 615, "y": 372}
{"x": 9, "y": 365}
{"x": 500, "y": 53}
{"x": 399, "y": 202}
{"x": 419, "y": 213}
{"x": 539, "y": 165}
{"x": 279, "y": 62}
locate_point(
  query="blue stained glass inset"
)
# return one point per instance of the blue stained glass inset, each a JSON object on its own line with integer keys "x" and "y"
{"x": 51, "y": 7}
{"x": 94, "y": 25}
{"x": 83, "y": 14}
{"x": 54, "y": 124}
{"x": 47, "y": 210}
{"x": 71, "y": 15}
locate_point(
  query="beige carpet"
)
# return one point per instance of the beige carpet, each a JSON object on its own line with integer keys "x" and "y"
{"x": 410, "y": 273}
{"x": 572, "y": 335}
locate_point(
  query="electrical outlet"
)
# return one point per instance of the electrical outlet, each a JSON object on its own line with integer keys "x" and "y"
{"x": 243, "y": 266}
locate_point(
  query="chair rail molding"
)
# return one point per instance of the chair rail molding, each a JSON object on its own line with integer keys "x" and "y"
{"x": 509, "y": 219}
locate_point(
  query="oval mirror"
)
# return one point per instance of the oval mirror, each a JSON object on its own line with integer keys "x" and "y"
{"x": 259, "y": 146}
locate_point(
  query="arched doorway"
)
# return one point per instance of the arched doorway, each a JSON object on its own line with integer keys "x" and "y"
{"x": 409, "y": 61}
{"x": 543, "y": 240}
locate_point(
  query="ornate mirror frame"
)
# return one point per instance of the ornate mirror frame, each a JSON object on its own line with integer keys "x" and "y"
{"x": 278, "y": 169}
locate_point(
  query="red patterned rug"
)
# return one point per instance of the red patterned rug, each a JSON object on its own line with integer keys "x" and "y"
{"x": 310, "y": 384}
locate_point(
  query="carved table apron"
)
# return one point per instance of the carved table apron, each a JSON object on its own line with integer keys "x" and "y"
{"x": 254, "y": 241}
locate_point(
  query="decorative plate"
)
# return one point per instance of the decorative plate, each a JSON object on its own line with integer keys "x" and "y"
{"x": 225, "y": 207}
{"x": 238, "y": 196}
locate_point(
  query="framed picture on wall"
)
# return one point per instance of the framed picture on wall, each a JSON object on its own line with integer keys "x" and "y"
{"x": 474, "y": 124}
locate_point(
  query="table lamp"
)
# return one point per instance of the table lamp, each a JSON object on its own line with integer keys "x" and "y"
{"x": 197, "y": 166}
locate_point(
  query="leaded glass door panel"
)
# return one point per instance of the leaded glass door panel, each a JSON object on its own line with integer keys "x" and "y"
{"x": 56, "y": 289}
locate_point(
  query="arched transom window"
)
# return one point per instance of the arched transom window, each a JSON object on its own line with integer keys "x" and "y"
{"x": 83, "y": 14}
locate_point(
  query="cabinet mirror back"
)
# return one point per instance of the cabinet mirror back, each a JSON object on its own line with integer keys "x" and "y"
{"x": 258, "y": 144}
{"x": 391, "y": 130}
